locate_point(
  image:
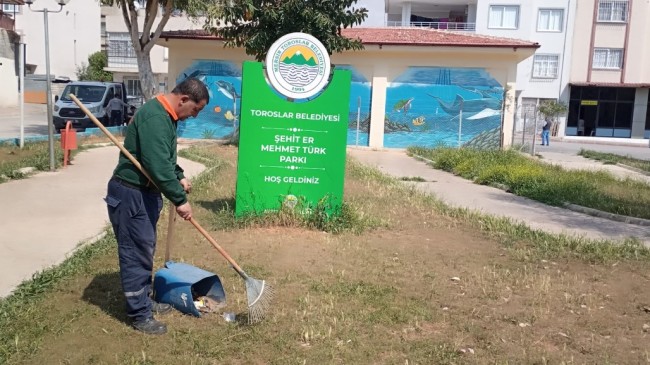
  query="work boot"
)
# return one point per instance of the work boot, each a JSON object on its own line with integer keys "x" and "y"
{"x": 161, "y": 308}
{"x": 150, "y": 326}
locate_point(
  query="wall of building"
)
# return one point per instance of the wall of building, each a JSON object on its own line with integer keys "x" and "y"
{"x": 638, "y": 50}
{"x": 551, "y": 43}
{"x": 581, "y": 55}
{"x": 8, "y": 78}
{"x": 612, "y": 35}
{"x": 74, "y": 34}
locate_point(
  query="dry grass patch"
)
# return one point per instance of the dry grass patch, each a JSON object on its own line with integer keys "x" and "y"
{"x": 420, "y": 286}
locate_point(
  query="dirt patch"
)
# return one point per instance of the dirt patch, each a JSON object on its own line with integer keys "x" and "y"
{"x": 421, "y": 289}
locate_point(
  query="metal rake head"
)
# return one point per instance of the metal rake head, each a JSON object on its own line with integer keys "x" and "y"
{"x": 260, "y": 295}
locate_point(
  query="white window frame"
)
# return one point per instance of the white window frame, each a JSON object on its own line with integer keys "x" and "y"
{"x": 609, "y": 18}
{"x": 542, "y": 62}
{"x": 10, "y": 9}
{"x": 503, "y": 9}
{"x": 133, "y": 86}
{"x": 608, "y": 53}
{"x": 547, "y": 29}
{"x": 120, "y": 49}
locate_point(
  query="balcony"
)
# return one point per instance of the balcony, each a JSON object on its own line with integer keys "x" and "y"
{"x": 452, "y": 15}
{"x": 7, "y": 22}
{"x": 8, "y": 10}
{"x": 455, "y": 26}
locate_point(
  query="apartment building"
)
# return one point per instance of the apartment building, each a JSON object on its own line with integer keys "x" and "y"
{"x": 545, "y": 76}
{"x": 74, "y": 34}
{"x": 610, "y": 76}
{"x": 9, "y": 48}
{"x": 122, "y": 61}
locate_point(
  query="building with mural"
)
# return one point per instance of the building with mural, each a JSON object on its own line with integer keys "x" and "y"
{"x": 409, "y": 86}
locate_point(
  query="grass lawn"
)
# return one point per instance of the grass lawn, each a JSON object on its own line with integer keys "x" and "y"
{"x": 410, "y": 282}
{"x": 612, "y": 158}
{"x": 545, "y": 183}
{"x": 36, "y": 154}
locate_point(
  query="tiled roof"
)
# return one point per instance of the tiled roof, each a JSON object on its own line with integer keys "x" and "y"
{"x": 612, "y": 84}
{"x": 396, "y": 36}
{"x": 431, "y": 37}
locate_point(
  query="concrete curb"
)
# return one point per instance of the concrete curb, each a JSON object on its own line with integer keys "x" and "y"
{"x": 606, "y": 215}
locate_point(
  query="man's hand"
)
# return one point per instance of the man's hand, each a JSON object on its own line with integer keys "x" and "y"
{"x": 185, "y": 211}
{"x": 187, "y": 185}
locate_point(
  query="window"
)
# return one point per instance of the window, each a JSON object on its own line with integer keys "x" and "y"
{"x": 503, "y": 17}
{"x": 120, "y": 49}
{"x": 546, "y": 66}
{"x": 608, "y": 58}
{"x": 165, "y": 54}
{"x": 550, "y": 20}
{"x": 133, "y": 87}
{"x": 612, "y": 10}
{"x": 10, "y": 8}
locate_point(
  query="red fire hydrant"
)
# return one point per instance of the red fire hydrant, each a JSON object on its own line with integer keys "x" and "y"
{"x": 68, "y": 141}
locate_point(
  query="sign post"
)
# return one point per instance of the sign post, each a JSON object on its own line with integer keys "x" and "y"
{"x": 292, "y": 148}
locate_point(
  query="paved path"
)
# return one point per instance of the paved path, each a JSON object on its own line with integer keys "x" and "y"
{"x": 45, "y": 216}
{"x": 459, "y": 192}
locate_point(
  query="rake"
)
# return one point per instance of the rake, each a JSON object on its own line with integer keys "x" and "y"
{"x": 258, "y": 292}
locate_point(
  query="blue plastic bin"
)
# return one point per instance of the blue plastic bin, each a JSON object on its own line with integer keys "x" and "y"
{"x": 175, "y": 283}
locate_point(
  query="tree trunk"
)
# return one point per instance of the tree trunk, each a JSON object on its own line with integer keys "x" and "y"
{"x": 147, "y": 78}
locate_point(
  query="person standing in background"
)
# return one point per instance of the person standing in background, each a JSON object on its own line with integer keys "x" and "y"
{"x": 115, "y": 110}
{"x": 546, "y": 132}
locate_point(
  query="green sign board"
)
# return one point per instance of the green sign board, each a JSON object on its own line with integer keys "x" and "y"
{"x": 291, "y": 152}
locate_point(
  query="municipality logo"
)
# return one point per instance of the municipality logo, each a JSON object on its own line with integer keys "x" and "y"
{"x": 298, "y": 66}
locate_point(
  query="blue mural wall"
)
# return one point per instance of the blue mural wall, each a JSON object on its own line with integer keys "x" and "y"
{"x": 221, "y": 116}
{"x": 423, "y": 106}
{"x": 435, "y": 106}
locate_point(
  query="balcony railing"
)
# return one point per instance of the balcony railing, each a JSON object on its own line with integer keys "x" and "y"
{"x": 7, "y": 22}
{"x": 455, "y": 26}
{"x": 121, "y": 62}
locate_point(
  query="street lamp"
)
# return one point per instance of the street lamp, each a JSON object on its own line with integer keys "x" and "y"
{"x": 48, "y": 92}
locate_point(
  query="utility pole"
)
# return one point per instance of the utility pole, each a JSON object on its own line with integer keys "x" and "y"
{"x": 48, "y": 77}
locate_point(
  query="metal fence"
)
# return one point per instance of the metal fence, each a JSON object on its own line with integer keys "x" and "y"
{"x": 527, "y": 128}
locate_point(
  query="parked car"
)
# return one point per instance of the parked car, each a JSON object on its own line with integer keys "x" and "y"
{"x": 94, "y": 96}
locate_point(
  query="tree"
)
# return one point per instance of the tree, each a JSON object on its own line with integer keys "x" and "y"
{"x": 550, "y": 109}
{"x": 256, "y": 24}
{"x": 144, "y": 39}
{"x": 94, "y": 69}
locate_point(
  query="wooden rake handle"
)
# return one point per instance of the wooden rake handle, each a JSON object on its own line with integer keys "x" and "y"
{"x": 139, "y": 166}
{"x": 110, "y": 136}
{"x": 171, "y": 224}
{"x": 219, "y": 248}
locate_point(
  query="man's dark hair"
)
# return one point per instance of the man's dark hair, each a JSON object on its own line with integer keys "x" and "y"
{"x": 194, "y": 88}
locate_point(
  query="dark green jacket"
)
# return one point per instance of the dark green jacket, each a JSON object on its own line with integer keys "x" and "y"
{"x": 151, "y": 139}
